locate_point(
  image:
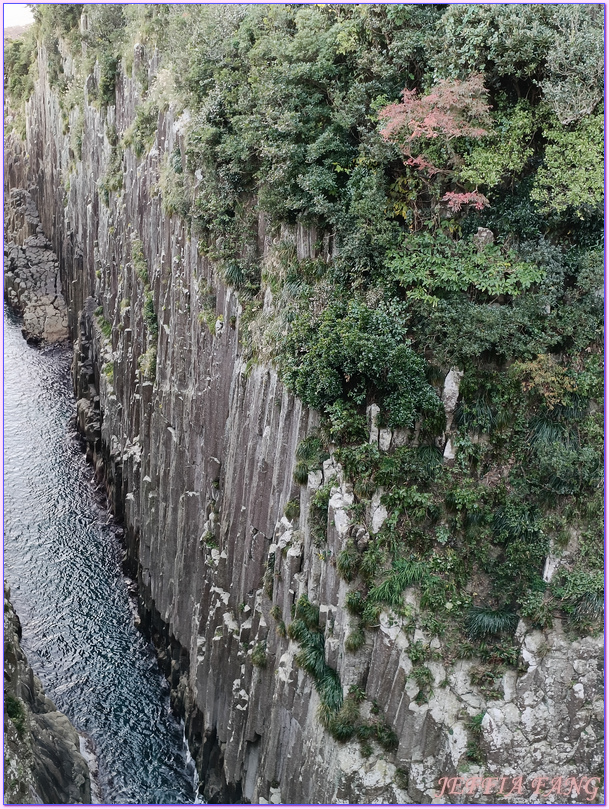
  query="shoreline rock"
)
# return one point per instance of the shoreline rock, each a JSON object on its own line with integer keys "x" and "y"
{"x": 42, "y": 759}
{"x": 32, "y": 286}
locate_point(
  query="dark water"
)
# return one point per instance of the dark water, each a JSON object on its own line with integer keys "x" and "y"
{"x": 62, "y": 562}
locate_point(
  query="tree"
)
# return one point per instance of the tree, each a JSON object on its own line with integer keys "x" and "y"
{"x": 425, "y": 128}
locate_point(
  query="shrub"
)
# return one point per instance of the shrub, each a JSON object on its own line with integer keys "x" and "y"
{"x": 354, "y": 602}
{"x": 310, "y": 456}
{"x": 301, "y": 473}
{"x": 473, "y": 752}
{"x": 292, "y": 510}
{"x": 139, "y": 262}
{"x": 434, "y": 264}
{"x": 105, "y": 327}
{"x": 16, "y": 712}
{"x": 150, "y": 318}
{"x": 140, "y": 134}
{"x": 348, "y": 562}
{"x": 106, "y": 91}
{"x": 350, "y": 350}
{"x": 259, "y": 655}
{"x": 355, "y": 640}
{"x": 318, "y": 512}
{"x": 147, "y": 364}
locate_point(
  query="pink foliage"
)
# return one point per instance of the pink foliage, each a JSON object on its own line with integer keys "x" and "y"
{"x": 453, "y": 109}
{"x": 420, "y": 163}
{"x": 456, "y": 201}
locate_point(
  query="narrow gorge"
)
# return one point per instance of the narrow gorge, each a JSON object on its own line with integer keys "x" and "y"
{"x": 346, "y": 407}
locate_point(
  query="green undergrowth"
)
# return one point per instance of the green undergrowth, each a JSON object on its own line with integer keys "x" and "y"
{"x": 16, "y": 711}
{"x": 147, "y": 361}
{"x": 341, "y": 716}
{"x": 104, "y": 325}
{"x": 472, "y": 537}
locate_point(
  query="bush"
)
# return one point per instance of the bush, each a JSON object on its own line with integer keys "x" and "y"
{"x": 259, "y": 655}
{"x": 318, "y": 512}
{"x": 150, "y": 318}
{"x": 310, "y": 456}
{"x": 147, "y": 364}
{"x": 352, "y": 350}
{"x": 19, "y": 58}
{"x": 16, "y": 712}
{"x": 139, "y": 262}
{"x": 140, "y": 135}
{"x": 354, "y": 602}
{"x": 292, "y": 510}
{"x": 355, "y": 640}
{"x": 348, "y": 562}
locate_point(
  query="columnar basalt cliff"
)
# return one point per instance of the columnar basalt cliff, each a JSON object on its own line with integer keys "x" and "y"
{"x": 197, "y": 448}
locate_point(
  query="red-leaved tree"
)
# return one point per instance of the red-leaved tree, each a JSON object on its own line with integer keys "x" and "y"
{"x": 453, "y": 109}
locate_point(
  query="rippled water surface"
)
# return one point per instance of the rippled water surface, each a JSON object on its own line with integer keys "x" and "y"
{"x": 62, "y": 561}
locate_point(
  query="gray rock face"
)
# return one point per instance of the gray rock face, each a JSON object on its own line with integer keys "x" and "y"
{"x": 197, "y": 449}
{"x": 31, "y": 273}
{"x": 42, "y": 760}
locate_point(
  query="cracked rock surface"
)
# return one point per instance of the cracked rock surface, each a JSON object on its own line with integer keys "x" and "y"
{"x": 31, "y": 273}
{"x": 42, "y": 759}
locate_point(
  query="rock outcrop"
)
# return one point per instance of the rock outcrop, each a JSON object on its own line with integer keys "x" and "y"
{"x": 42, "y": 758}
{"x": 197, "y": 448}
{"x": 31, "y": 273}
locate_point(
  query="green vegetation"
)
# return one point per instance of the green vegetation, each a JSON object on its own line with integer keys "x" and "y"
{"x": 355, "y": 640}
{"x": 140, "y": 266}
{"x": 259, "y": 655}
{"x": 310, "y": 456}
{"x": 340, "y": 716}
{"x": 292, "y": 510}
{"x": 318, "y": 513}
{"x": 482, "y": 622}
{"x": 147, "y": 364}
{"x": 139, "y": 263}
{"x": 104, "y": 325}
{"x": 474, "y": 752}
{"x": 140, "y": 134}
{"x": 108, "y": 371}
{"x": 449, "y": 160}
{"x": 305, "y": 630}
{"x": 16, "y": 712}
{"x": 113, "y": 179}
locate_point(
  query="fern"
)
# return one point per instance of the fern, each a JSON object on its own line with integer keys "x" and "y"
{"x": 348, "y": 562}
{"x": 234, "y": 274}
{"x": 482, "y": 622}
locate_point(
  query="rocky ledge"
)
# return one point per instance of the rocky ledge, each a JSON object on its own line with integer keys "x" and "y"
{"x": 42, "y": 759}
{"x": 31, "y": 279}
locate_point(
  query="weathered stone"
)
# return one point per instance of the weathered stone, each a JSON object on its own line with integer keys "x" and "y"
{"x": 483, "y": 238}
{"x": 31, "y": 281}
{"x": 42, "y": 758}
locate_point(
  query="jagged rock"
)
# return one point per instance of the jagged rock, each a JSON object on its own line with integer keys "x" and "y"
{"x": 42, "y": 759}
{"x": 31, "y": 281}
